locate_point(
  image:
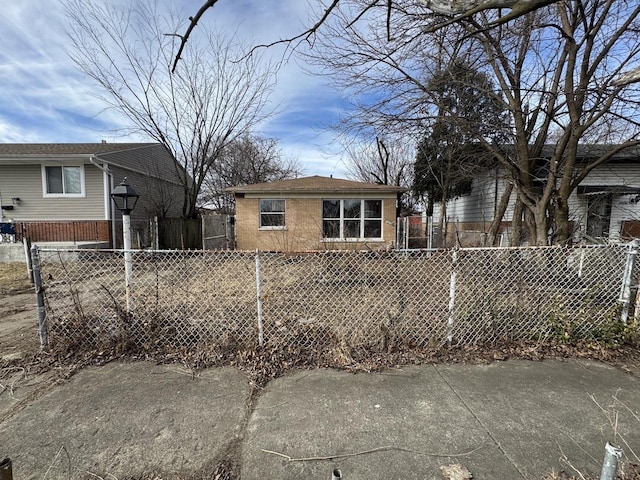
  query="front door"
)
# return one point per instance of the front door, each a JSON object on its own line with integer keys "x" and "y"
{"x": 599, "y": 215}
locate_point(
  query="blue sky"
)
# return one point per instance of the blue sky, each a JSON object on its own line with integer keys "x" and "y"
{"x": 45, "y": 99}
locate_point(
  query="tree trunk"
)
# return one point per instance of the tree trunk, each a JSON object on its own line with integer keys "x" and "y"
{"x": 499, "y": 215}
{"x": 442, "y": 223}
{"x": 516, "y": 223}
{"x": 562, "y": 232}
{"x": 541, "y": 219}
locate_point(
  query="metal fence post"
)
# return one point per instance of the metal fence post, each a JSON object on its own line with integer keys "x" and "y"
{"x": 625, "y": 291}
{"x": 27, "y": 254}
{"x": 610, "y": 465}
{"x": 37, "y": 279}
{"x": 259, "y": 298}
{"x": 452, "y": 298}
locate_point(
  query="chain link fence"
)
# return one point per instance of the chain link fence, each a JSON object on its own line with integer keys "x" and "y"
{"x": 229, "y": 299}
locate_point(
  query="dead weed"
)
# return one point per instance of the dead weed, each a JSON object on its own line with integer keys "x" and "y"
{"x": 14, "y": 277}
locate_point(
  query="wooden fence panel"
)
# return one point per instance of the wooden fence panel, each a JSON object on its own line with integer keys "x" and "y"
{"x": 69, "y": 231}
{"x": 180, "y": 233}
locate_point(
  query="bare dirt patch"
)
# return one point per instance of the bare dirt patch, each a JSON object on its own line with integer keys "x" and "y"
{"x": 18, "y": 326}
{"x": 22, "y": 374}
{"x": 18, "y": 317}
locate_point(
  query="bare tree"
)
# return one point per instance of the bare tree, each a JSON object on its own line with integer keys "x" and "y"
{"x": 246, "y": 160}
{"x": 387, "y": 81}
{"x": 567, "y": 69}
{"x": 456, "y": 10}
{"x": 196, "y": 112}
{"x": 559, "y": 69}
{"x": 385, "y": 161}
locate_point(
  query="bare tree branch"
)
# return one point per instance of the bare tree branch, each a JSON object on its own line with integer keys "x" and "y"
{"x": 632, "y": 76}
{"x": 194, "y": 21}
{"x": 246, "y": 160}
{"x": 306, "y": 35}
{"x": 462, "y": 9}
{"x": 196, "y": 112}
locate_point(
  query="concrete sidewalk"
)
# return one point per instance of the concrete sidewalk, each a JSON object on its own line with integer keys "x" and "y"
{"x": 507, "y": 420}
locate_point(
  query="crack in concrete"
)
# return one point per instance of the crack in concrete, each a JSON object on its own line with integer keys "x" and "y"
{"x": 480, "y": 422}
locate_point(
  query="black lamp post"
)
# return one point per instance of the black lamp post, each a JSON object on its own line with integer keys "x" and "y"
{"x": 125, "y": 198}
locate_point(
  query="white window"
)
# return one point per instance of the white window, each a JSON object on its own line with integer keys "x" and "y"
{"x": 272, "y": 214}
{"x": 63, "y": 181}
{"x": 352, "y": 219}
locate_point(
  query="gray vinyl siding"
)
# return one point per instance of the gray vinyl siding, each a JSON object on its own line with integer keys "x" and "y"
{"x": 25, "y": 182}
{"x": 150, "y": 160}
{"x": 157, "y": 197}
{"x": 154, "y": 174}
{"x": 150, "y": 168}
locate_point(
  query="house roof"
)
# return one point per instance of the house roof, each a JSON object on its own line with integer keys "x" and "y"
{"x": 316, "y": 184}
{"x": 150, "y": 159}
{"x": 590, "y": 151}
{"x": 47, "y": 149}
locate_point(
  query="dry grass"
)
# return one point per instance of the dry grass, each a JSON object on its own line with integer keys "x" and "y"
{"x": 13, "y": 278}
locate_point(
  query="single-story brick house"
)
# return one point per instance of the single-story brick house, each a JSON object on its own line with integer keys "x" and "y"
{"x": 315, "y": 213}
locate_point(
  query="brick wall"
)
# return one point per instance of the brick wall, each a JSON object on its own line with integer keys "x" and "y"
{"x": 303, "y": 231}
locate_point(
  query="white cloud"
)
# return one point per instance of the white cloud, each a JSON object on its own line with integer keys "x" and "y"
{"x": 46, "y": 99}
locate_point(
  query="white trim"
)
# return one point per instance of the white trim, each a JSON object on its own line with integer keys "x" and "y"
{"x": 106, "y": 185}
{"x": 283, "y": 213}
{"x": 106, "y": 189}
{"x": 362, "y": 219}
{"x": 45, "y": 194}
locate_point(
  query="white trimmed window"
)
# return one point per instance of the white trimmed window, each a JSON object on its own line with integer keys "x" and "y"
{"x": 352, "y": 219}
{"x": 272, "y": 214}
{"x": 63, "y": 180}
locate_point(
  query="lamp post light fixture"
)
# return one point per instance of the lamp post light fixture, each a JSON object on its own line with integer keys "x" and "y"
{"x": 125, "y": 198}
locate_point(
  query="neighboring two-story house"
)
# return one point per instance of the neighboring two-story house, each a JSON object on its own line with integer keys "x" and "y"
{"x": 60, "y": 192}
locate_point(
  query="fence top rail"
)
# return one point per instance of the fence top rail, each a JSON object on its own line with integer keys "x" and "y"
{"x": 49, "y": 249}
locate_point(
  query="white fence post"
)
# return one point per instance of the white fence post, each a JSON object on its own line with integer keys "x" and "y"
{"x": 625, "y": 291}
{"x": 259, "y": 298}
{"x": 128, "y": 266}
{"x": 610, "y": 465}
{"x": 452, "y": 298}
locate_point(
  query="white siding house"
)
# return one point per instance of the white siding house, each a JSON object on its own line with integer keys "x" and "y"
{"x": 605, "y": 206}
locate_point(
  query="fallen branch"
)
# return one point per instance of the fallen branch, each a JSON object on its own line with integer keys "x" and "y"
{"x": 365, "y": 452}
{"x": 62, "y": 449}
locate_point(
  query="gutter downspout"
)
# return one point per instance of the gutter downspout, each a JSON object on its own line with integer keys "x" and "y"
{"x": 108, "y": 188}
